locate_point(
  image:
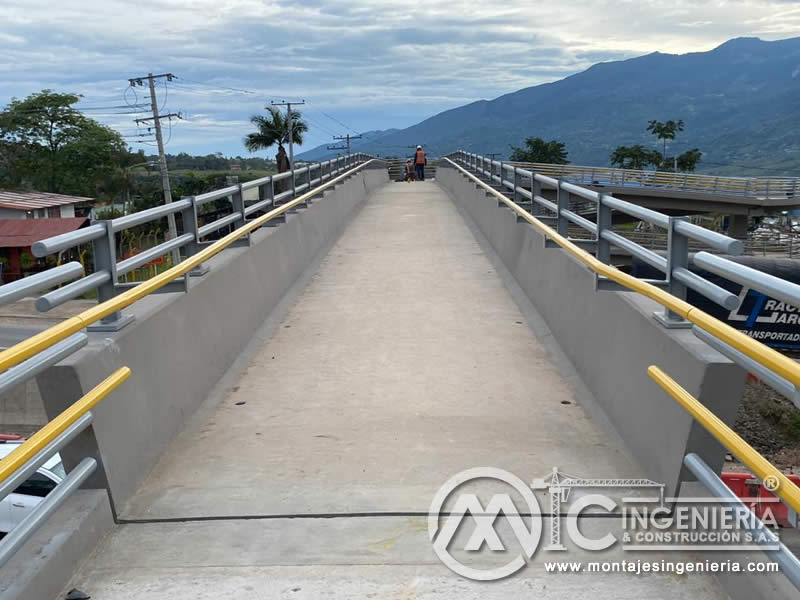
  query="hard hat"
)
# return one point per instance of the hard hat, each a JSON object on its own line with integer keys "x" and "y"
{"x": 419, "y": 147}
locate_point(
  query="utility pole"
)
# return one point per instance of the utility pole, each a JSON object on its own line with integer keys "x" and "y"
{"x": 347, "y": 138}
{"x": 162, "y": 159}
{"x": 289, "y": 124}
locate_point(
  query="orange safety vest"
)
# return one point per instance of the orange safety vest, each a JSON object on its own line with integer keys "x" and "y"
{"x": 420, "y": 159}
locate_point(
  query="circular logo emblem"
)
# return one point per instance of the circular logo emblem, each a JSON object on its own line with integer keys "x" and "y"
{"x": 527, "y": 529}
{"x": 772, "y": 483}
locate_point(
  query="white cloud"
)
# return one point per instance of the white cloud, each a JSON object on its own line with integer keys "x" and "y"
{"x": 371, "y": 64}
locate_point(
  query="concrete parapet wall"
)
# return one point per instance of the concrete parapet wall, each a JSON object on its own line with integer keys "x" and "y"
{"x": 180, "y": 345}
{"x": 611, "y": 338}
{"x": 44, "y": 564}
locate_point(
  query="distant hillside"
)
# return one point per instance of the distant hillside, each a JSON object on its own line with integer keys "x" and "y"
{"x": 740, "y": 103}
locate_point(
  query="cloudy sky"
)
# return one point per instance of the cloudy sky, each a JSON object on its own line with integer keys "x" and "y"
{"x": 360, "y": 64}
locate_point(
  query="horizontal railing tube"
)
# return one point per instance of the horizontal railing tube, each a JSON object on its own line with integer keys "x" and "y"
{"x": 201, "y": 199}
{"x": 151, "y": 214}
{"x": 19, "y": 476}
{"x": 71, "y": 291}
{"x": 28, "y": 526}
{"x": 257, "y": 206}
{"x": 218, "y": 224}
{"x": 11, "y": 292}
{"x": 641, "y": 213}
{"x": 65, "y": 241}
{"x": 787, "y": 561}
{"x": 651, "y": 258}
{"x": 580, "y": 221}
{"x": 715, "y": 240}
{"x": 551, "y": 206}
{"x": 710, "y": 290}
{"x": 580, "y": 191}
{"x": 282, "y": 195}
{"x": 248, "y": 185}
{"x": 40, "y": 362}
{"x": 775, "y": 381}
{"x": 138, "y": 260}
{"x": 772, "y": 286}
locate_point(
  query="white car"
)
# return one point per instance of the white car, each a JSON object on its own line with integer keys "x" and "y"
{"x": 19, "y": 503}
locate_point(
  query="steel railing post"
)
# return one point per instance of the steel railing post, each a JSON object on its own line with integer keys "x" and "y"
{"x": 516, "y": 185}
{"x": 603, "y": 250}
{"x": 677, "y": 258}
{"x": 104, "y": 250}
{"x": 237, "y": 204}
{"x": 562, "y": 196}
{"x": 265, "y": 192}
{"x": 189, "y": 218}
{"x": 536, "y": 190}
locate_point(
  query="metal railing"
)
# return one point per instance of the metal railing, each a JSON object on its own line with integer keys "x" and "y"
{"x": 775, "y": 369}
{"x": 766, "y": 188}
{"x": 33, "y": 355}
{"x": 102, "y": 234}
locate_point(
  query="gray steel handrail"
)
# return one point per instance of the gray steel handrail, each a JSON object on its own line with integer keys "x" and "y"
{"x": 772, "y": 188}
{"x": 107, "y": 269}
{"x": 49, "y": 356}
{"x": 28, "y": 526}
{"x": 674, "y": 265}
{"x": 788, "y": 562}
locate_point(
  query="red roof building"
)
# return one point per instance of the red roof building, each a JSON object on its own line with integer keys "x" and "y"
{"x": 18, "y": 235}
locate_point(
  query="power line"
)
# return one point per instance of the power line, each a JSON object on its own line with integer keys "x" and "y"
{"x": 325, "y": 129}
{"x": 218, "y": 87}
{"x": 334, "y": 119}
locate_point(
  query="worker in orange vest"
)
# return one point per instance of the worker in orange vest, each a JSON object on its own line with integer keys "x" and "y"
{"x": 419, "y": 163}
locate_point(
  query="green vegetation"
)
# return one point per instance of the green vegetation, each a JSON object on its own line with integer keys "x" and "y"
{"x": 537, "y": 150}
{"x": 638, "y": 157}
{"x": 46, "y": 144}
{"x": 274, "y": 129}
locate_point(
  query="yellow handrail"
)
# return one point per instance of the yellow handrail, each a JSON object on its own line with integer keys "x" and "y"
{"x": 761, "y": 467}
{"x": 19, "y": 456}
{"x": 773, "y": 360}
{"x": 36, "y": 343}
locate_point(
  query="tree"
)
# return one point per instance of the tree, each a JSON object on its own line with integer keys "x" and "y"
{"x": 47, "y": 144}
{"x": 274, "y": 129}
{"x": 687, "y": 161}
{"x": 665, "y": 131}
{"x": 539, "y": 151}
{"x": 634, "y": 157}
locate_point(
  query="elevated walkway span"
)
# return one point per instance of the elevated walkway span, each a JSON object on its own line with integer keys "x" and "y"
{"x": 287, "y": 423}
{"x": 404, "y": 361}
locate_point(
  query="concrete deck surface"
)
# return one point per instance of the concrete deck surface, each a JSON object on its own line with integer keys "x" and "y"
{"x": 404, "y": 361}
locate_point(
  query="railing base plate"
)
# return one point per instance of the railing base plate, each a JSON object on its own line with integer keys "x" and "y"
{"x": 112, "y": 325}
{"x": 671, "y": 323}
{"x": 199, "y": 270}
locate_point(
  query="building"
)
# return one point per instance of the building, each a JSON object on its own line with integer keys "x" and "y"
{"x": 17, "y": 235}
{"x": 27, "y": 204}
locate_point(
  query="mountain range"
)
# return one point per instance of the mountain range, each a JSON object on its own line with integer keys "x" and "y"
{"x": 740, "y": 103}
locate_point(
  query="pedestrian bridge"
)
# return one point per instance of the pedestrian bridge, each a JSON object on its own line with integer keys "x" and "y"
{"x": 278, "y": 423}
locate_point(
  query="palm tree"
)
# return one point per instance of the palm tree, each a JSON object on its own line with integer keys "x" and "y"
{"x": 665, "y": 131}
{"x": 273, "y": 129}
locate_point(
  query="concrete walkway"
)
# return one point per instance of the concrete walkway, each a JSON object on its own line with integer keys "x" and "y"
{"x": 404, "y": 361}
